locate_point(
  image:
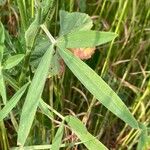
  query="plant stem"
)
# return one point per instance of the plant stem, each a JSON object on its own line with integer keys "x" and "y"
{"x": 48, "y": 34}
{"x": 104, "y": 69}
{"x": 32, "y": 8}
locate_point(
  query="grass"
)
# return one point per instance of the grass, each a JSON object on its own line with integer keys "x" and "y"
{"x": 124, "y": 63}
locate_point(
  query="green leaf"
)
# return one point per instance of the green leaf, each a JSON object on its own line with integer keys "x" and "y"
{"x": 71, "y": 22}
{"x": 2, "y": 87}
{"x": 45, "y": 110}
{"x": 82, "y": 5}
{"x": 42, "y": 44}
{"x": 12, "y": 102}
{"x": 2, "y": 83}
{"x": 144, "y": 141}
{"x": 47, "y": 6}
{"x": 12, "y": 61}
{"x": 11, "y": 81}
{"x": 2, "y": 2}
{"x": 33, "y": 96}
{"x": 2, "y": 33}
{"x": 51, "y": 109}
{"x": 79, "y": 129}
{"x": 81, "y": 39}
{"x": 2, "y": 39}
{"x": 97, "y": 86}
{"x": 56, "y": 143}
{"x": 32, "y": 31}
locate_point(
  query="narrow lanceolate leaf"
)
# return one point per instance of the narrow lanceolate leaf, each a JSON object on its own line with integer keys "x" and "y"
{"x": 2, "y": 87}
{"x": 33, "y": 96}
{"x": 56, "y": 143}
{"x": 97, "y": 86}
{"x": 32, "y": 31}
{"x": 81, "y": 39}
{"x": 2, "y": 83}
{"x": 12, "y": 61}
{"x": 12, "y": 102}
{"x": 79, "y": 129}
{"x": 11, "y": 81}
{"x": 2, "y": 39}
{"x": 45, "y": 110}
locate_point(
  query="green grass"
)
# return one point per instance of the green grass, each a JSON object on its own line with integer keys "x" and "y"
{"x": 123, "y": 63}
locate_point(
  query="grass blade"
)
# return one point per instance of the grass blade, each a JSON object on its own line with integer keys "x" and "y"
{"x": 2, "y": 39}
{"x": 98, "y": 87}
{"x": 56, "y": 143}
{"x": 2, "y": 87}
{"x": 33, "y": 96}
{"x": 144, "y": 141}
{"x": 12, "y": 102}
{"x": 45, "y": 110}
{"x": 43, "y": 104}
{"x": 88, "y": 140}
{"x": 2, "y": 83}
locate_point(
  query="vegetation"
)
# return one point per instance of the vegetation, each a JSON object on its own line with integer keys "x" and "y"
{"x": 74, "y": 74}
